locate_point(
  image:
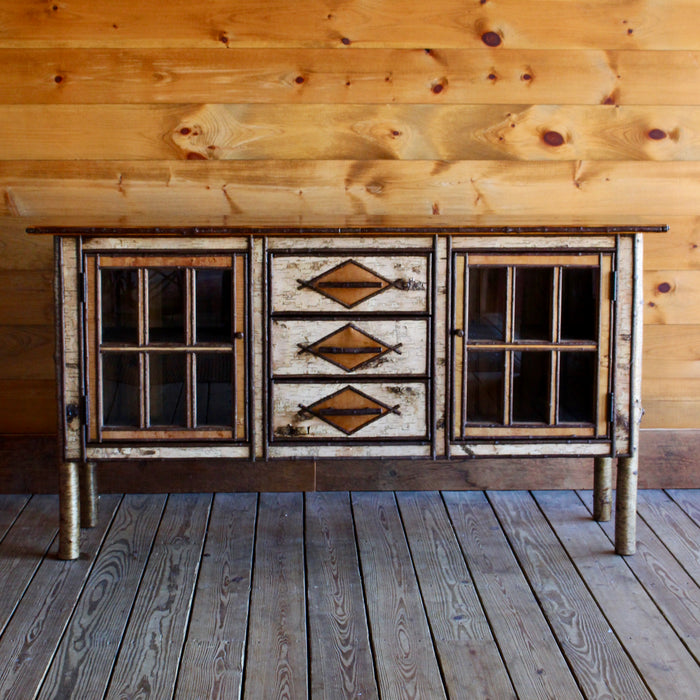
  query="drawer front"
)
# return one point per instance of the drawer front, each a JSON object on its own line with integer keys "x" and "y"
{"x": 356, "y": 411}
{"x": 359, "y": 347}
{"x": 350, "y": 283}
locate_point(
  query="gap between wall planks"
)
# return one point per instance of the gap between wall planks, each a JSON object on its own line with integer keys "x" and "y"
{"x": 668, "y": 459}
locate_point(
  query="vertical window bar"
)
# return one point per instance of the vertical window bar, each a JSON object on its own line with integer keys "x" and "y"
{"x": 234, "y": 329}
{"x": 97, "y": 348}
{"x": 508, "y": 355}
{"x": 465, "y": 357}
{"x": 190, "y": 338}
{"x": 144, "y": 375}
{"x": 557, "y": 274}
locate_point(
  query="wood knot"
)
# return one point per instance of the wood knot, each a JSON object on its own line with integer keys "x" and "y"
{"x": 492, "y": 39}
{"x": 553, "y": 138}
{"x": 58, "y": 79}
{"x": 184, "y": 131}
{"x": 526, "y": 77}
{"x": 345, "y": 41}
{"x": 664, "y": 288}
{"x": 299, "y": 79}
{"x": 192, "y": 155}
{"x": 657, "y": 134}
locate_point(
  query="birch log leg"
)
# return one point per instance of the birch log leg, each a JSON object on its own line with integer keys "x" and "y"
{"x": 88, "y": 494}
{"x": 626, "y": 506}
{"x": 602, "y": 489}
{"x": 69, "y": 506}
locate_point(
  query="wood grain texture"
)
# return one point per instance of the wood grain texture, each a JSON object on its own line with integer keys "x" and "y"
{"x": 671, "y": 297}
{"x": 26, "y": 352}
{"x": 10, "y": 508}
{"x": 689, "y": 502}
{"x": 535, "y": 663}
{"x": 31, "y": 637}
{"x": 468, "y": 654}
{"x": 441, "y": 24}
{"x": 349, "y": 132}
{"x": 85, "y": 657}
{"x": 276, "y": 659}
{"x": 146, "y": 664}
{"x": 212, "y": 661}
{"x": 341, "y": 656}
{"x": 629, "y": 610}
{"x": 27, "y": 299}
{"x": 681, "y": 535}
{"x": 600, "y": 663}
{"x": 23, "y": 548}
{"x": 370, "y": 76}
{"x": 127, "y": 190}
{"x": 672, "y": 587}
{"x": 28, "y": 406}
{"x": 405, "y": 661}
{"x": 21, "y": 252}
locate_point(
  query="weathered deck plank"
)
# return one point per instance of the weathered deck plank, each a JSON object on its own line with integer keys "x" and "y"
{"x": 212, "y": 662}
{"x": 596, "y": 657}
{"x": 535, "y": 663}
{"x": 329, "y": 595}
{"x": 677, "y": 529}
{"x": 466, "y": 649}
{"x": 10, "y": 508}
{"x": 675, "y": 593}
{"x": 405, "y": 657}
{"x": 668, "y": 668}
{"x": 276, "y": 660}
{"x": 83, "y": 663}
{"x": 341, "y": 656}
{"x": 32, "y": 635}
{"x": 23, "y": 549}
{"x": 150, "y": 651}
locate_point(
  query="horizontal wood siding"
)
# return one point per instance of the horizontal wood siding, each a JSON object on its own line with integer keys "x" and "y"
{"x": 404, "y": 112}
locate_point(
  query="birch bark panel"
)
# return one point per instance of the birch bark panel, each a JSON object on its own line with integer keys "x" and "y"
{"x": 407, "y": 291}
{"x": 638, "y": 24}
{"x": 289, "y": 422}
{"x": 325, "y": 76}
{"x": 407, "y": 340}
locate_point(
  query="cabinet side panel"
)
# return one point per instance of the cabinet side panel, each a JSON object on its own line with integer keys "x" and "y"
{"x": 623, "y": 343}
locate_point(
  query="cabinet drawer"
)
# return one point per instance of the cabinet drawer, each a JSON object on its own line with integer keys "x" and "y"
{"x": 387, "y": 282}
{"x": 358, "y": 411}
{"x": 306, "y": 347}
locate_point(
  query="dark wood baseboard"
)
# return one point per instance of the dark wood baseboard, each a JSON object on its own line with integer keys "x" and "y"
{"x": 668, "y": 459}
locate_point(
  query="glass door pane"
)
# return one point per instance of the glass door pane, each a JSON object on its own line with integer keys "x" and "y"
{"x": 213, "y": 306}
{"x": 120, "y": 390}
{"x": 166, "y": 305}
{"x": 168, "y": 389}
{"x": 533, "y": 303}
{"x": 214, "y": 389}
{"x": 577, "y": 387}
{"x": 485, "y": 387}
{"x": 119, "y": 306}
{"x": 531, "y": 373}
{"x": 487, "y": 303}
{"x": 579, "y": 303}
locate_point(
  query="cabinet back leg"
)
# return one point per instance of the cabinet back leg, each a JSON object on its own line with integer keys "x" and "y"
{"x": 602, "y": 489}
{"x": 88, "y": 494}
{"x": 69, "y": 507}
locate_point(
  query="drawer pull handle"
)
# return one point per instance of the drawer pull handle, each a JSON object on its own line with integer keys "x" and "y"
{"x": 459, "y": 333}
{"x": 350, "y": 411}
{"x": 334, "y": 350}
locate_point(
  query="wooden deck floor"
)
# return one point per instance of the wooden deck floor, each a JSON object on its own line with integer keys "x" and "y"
{"x": 363, "y": 595}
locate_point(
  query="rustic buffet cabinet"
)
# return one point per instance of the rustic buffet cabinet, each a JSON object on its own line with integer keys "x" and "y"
{"x": 267, "y": 344}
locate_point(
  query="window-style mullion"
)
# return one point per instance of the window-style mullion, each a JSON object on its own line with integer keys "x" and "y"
{"x": 465, "y": 336}
{"x": 234, "y": 331}
{"x": 556, "y": 338}
{"x": 190, "y": 339}
{"x": 508, "y": 355}
{"x": 99, "y": 379}
{"x": 144, "y": 367}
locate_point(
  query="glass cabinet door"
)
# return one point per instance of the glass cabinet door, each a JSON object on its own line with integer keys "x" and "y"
{"x": 531, "y": 344}
{"x": 166, "y": 348}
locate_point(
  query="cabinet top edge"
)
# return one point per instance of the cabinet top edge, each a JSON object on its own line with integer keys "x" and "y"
{"x": 196, "y": 231}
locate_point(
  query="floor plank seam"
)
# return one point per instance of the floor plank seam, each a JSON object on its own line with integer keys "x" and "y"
{"x": 193, "y": 595}
{"x": 422, "y": 597}
{"x": 364, "y": 595}
{"x": 478, "y": 593}
{"x": 523, "y": 571}
{"x": 137, "y": 594}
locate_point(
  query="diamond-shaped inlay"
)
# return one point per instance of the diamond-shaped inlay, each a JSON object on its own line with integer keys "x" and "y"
{"x": 349, "y": 410}
{"x": 349, "y": 348}
{"x": 349, "y": 283}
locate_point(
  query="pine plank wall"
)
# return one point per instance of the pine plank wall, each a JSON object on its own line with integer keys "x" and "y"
{"x": 440, "y": 112}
